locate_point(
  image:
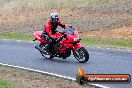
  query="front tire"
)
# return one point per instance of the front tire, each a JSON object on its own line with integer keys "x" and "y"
{"x": 81, "y": 55}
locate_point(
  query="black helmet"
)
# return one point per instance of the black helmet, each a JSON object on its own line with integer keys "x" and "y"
{"x": 54, "y": 17}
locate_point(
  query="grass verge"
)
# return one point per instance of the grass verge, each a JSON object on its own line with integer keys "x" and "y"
{"x": 91, "y": 41}
{"x": 6, "y": 84}
{"x": 18, "y": 78}
{"x": 105, "y": 42}
{"x": 16, "y": 36}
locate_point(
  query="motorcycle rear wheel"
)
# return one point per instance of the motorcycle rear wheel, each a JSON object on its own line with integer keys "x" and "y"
{"x": 81, "y": 55}
{"x": 45, "y": 53}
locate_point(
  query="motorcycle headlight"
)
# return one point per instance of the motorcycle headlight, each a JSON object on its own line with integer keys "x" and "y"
{"x": 77, "y": 39}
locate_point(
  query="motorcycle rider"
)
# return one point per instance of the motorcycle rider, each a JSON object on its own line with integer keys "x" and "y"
{"x": 50, "y": 30}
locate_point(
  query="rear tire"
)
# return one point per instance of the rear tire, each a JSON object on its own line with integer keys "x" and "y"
{"x": 48, "y": 56}
{"x": 81, "y": 55}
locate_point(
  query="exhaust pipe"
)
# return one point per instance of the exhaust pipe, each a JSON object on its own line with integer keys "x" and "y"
{"x": 37, "y": 47}
{"x": 41, "y": 50}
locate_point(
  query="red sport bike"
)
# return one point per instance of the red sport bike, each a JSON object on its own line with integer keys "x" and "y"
{"x": 64, "y": 46}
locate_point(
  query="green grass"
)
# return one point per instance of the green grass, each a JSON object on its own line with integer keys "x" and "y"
{"x": 92, "y": 41}
{"x": 16, "y": 36}
{"x": 19, "y": 78}
{"x": 7, "y": 84}
{"x": 104, "y": 42}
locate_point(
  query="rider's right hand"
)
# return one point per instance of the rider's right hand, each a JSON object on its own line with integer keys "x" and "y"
{"x": 64, "y": 36}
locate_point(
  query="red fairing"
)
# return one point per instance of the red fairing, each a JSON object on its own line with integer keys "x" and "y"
{"x": 70, "y": 43}
{"x": 37, "y": 35}
{"x": 77, "y": 46}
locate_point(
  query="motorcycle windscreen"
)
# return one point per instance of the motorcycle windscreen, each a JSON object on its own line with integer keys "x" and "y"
{"x": 69, "y": 31}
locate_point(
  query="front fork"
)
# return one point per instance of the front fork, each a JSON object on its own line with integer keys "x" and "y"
{"x": 77, "y": 46}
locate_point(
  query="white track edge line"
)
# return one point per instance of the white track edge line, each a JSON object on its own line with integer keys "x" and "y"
{"x": 38, "y": 71}
{"x": 47, "y": 73}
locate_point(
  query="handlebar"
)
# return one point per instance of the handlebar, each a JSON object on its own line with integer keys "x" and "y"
{"x": 61, "y": 32}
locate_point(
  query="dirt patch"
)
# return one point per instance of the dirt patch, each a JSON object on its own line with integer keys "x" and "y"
{"x": 121, "y": 33}
{"x": 32, "y": 20}
{"x": 100, "y": 20}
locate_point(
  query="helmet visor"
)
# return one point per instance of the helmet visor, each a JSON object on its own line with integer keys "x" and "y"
{"x": 55, "y": 19}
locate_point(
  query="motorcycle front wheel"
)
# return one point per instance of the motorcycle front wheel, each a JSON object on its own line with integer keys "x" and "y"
{"x": 81, "y": 55}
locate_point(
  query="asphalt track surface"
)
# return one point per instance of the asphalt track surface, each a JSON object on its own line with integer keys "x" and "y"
{"x": 102, "y": 61}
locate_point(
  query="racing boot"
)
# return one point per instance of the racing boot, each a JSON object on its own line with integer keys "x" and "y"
{"x": 49, "y": 46}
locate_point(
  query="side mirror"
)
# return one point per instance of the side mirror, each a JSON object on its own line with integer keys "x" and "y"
{"x": 70, "y": 26}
